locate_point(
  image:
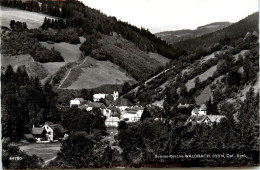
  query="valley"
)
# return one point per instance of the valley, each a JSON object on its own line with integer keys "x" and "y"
{"x": 82, "y": 89}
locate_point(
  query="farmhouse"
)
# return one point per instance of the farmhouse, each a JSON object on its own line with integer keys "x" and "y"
{"x": 199, "y": 116}
{"x": 99, "y": 96}
{"x": 112, "y": 122}
{"x": 54, "y": 131}
{"x": 48, "y": 132}
{"x": 39, "y": 133}
{"x": 76, "y": 102}
{"x": 132, "y": 114}
{"x": 205, "y": 119}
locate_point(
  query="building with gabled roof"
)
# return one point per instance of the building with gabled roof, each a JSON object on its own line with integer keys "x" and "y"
{"x": 54, "y": 131}
{"x": 122, "y": 103}
{"x": 112, "y": 122}
{"x": 38, "y": 133}
{"x": 199, "y": 116}
{"x": 76, "y": 102}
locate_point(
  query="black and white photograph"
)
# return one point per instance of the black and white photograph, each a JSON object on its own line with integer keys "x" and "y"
{"x": 129, "y": 84}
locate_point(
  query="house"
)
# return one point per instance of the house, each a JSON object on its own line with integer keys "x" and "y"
{"x": 48, "y": 132}
{"x": 132, "y": 114}
{"x": 98, "y": 97}
{"x": 76, "y": 102}
{"x": 112, "y": 122}
{"x": 205, "y": 119}
{"x": 95, "y": 105}
{"x": 122, "y": 104}
{"x": 199, "y": 116}
{"x": 54, "y": 131}
{"x": 39, "y": 133}
{"x": 111, "y": 111}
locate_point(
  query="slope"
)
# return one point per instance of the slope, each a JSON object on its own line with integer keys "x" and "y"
{"x": 172, "y": 37}
{"x": 234, "y": 32}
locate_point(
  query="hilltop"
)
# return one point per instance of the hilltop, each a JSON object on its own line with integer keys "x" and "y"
{"x": 232, "y": 32}
{"x": 172, "y": 37}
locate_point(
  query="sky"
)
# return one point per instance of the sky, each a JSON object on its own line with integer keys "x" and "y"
{"x": 166, "y": 15}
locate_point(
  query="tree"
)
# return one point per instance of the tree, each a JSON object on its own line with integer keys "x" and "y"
{"x": 196, "y": 82}
{"x": 77, "y": 150}
{"x": 146, "y": 114}
{"x": 12, "y": 24}
{"x": 122, "y": 125}
{"x": 25, "y": 162}
{"x": 126, "y": 87}
{"x": 87, "y": 94}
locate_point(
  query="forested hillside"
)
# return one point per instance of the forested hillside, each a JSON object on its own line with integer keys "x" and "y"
{"x": 233, "y": 32}
{"x": 172, "y": 37}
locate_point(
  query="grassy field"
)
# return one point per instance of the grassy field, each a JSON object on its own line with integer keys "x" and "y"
{"x": 33, "y": 19}
{"x": 46, "y": 151}
{"x": 204, "y": 76}
{"x": 94, "y": 73}
{"x": 161, "y": 59}
{"x": 33, "y": 68}
{"x": 70, "y": 52}
{"x": 206, "y": 93}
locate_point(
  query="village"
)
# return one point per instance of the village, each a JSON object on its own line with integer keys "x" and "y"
{"x": 114, "y": 109}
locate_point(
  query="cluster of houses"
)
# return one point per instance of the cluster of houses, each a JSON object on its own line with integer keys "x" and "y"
{"x": 199, "y": 116}
{"x": 47, "y": 133}
{"x": 118, "y": 109}
{"x": 115, "y": 111}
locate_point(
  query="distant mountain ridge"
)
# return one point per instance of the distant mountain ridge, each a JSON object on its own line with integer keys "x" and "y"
{"x": 172, "y": 37}
{"x": 233, "y": 32}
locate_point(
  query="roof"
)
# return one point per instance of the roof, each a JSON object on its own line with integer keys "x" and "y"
{"x": 216, "y": 118}
{"x": 29, "y": 136}
{"x": 37, "y": 131}
{"x": 134, "y": 108}
{"x": 98, "y": 96}
{"x": 113, "y": 109}
{"x": 80, "y": 99}
{"x": 200, "y": 119}
{"x": 96, "y": 105}
{"x": 197, "y": 118}
{"x": 122, "y": 102}
{"x": 112, "y": 119}
{"x": 56, "y": 127}
{"x": 203, "y": 107}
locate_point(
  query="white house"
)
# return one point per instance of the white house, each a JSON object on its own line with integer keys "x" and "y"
{"x": 54, "y": 131}
{"x": 112, "y": 122}
{"x": 49, "y": 132}
{"x": 199, "y": 116}
{"x": 132, "y": 114}
{"x": 76, "y": 102}
{"x": 97, "y": 97}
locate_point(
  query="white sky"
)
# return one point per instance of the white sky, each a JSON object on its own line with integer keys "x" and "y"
{"x": 165, "y": 15}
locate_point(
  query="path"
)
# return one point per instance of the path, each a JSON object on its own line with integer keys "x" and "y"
{"x": 80, "y": 64}
{"x": 48, "y": 161}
